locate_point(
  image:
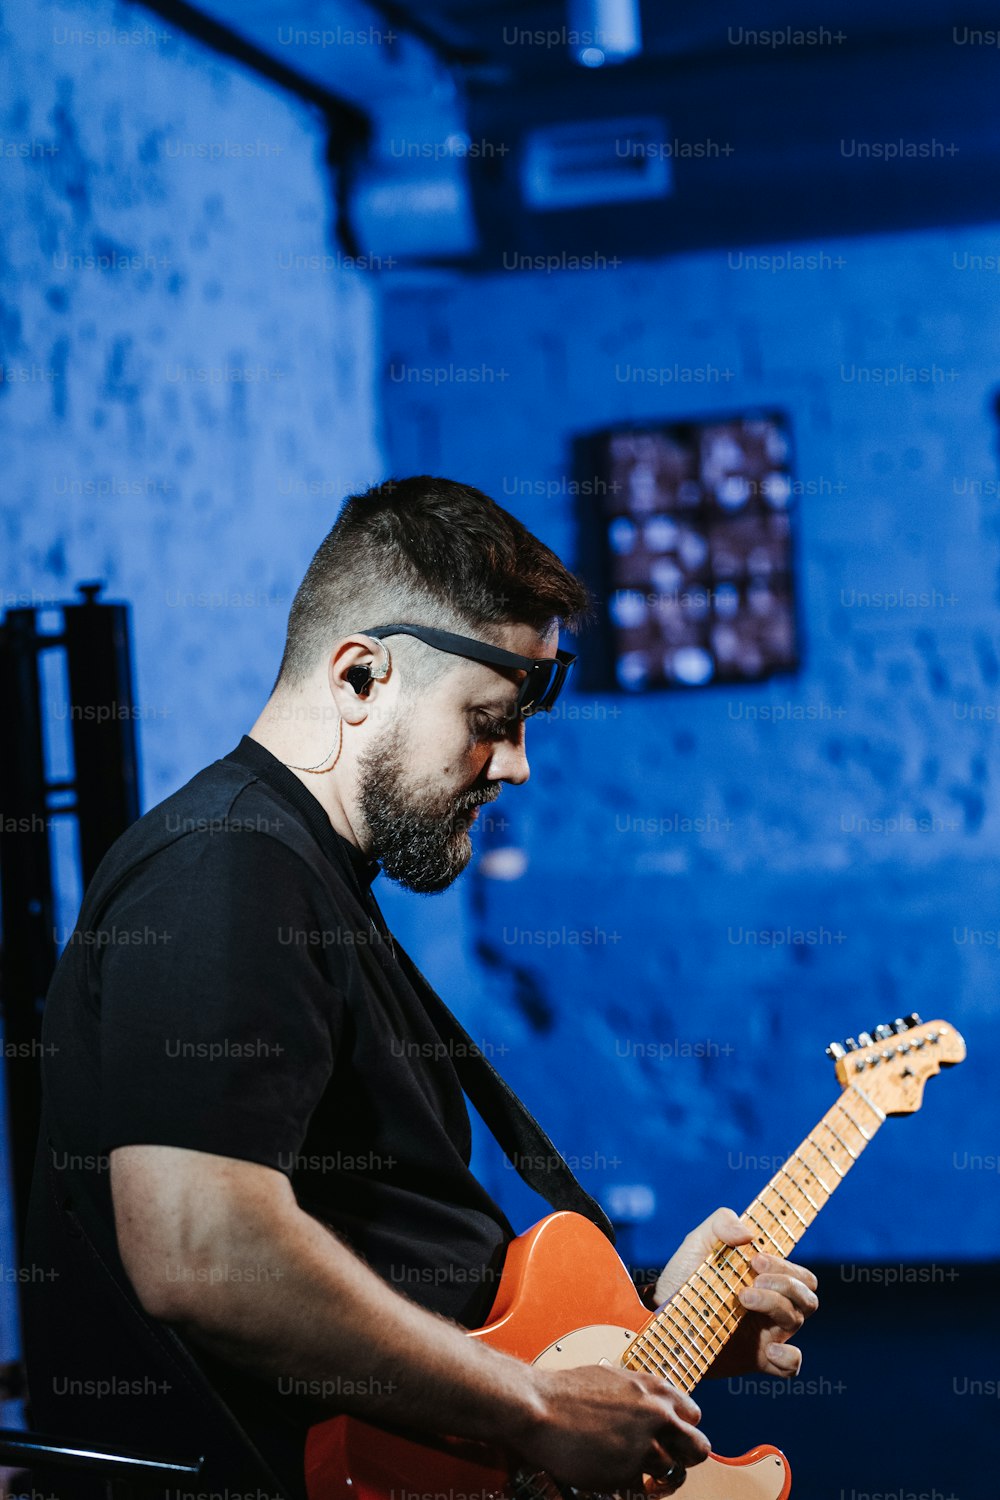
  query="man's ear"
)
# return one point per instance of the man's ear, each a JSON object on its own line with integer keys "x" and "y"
{"x": 357, "y": 666}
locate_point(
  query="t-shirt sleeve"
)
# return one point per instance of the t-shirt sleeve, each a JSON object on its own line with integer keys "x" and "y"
{"x": 219, "y": 1022}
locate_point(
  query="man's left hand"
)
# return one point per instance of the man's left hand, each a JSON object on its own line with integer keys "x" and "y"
{"x": 778, "y": 1301}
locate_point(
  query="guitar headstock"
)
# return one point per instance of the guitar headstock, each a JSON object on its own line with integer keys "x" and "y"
{"x": 892, "y": 1063}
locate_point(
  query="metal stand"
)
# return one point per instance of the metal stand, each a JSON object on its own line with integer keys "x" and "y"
{"x": 101, "y": 795}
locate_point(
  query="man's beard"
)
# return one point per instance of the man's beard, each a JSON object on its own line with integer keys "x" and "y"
{"x": 419, "y": 836}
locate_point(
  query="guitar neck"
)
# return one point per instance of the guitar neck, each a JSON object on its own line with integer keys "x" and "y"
{"x": 684, "y": 1337}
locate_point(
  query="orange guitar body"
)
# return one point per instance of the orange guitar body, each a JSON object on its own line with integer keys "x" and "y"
{"x": 564, "y": 1300}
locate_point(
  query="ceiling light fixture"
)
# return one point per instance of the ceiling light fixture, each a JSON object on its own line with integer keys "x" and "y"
{"x": 604, "y": 31}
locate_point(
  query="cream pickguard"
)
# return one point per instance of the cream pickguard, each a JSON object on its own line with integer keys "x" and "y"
{"x": 601, "y": 1344}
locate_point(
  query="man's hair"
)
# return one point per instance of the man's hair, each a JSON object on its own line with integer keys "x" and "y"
{"x": 425, "y": 551}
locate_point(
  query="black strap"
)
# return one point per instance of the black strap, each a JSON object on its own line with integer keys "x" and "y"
{"x": 522, "y": 1140}
{"x": 518, "y": 1133}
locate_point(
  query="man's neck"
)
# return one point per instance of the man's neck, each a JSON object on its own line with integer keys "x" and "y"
{"x": 276, "y": 730}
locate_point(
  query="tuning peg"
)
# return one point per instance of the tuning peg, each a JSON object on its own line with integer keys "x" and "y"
{"x": 913, "y": 1019}
{"x": 836, "y": 1051}
{"x": 864, "y": 1039}
{"x": 851, "y": 1044}
{"x": 899, "y": 1026}
{"x": 882, "y": 1032}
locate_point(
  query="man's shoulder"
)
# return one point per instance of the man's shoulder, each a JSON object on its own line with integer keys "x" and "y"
{"x": 224, "y": 816}
{"x": 224, "y": 798}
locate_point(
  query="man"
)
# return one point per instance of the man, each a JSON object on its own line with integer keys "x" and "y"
{"x": 287, "y": 1139}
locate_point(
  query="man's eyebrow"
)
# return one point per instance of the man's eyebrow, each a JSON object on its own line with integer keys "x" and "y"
{"x": 503, "y": 707}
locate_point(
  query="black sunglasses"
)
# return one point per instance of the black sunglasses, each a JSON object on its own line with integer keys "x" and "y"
{"x": 538, "y": 690}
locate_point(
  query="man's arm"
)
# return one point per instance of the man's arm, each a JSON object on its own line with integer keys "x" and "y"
{"x": 220, "y": 1248}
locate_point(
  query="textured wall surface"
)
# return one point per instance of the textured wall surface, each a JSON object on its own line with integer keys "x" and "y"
{"x": 181, "y": 407}
{"x": 714, "y": 885}
{"x": 717, "y": 884}
{"x": 700, "y": 890}
{"x": 185, "y": 399}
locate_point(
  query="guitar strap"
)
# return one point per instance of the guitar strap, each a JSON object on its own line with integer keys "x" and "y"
{"x": 519, "y": 1135}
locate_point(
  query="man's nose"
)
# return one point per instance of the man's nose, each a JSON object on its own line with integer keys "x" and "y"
{"x": 509, "y": 760}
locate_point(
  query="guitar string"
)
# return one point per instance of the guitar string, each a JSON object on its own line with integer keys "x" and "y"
{"x": 654, "y": 1350}
{"x": 650, "y": 1344}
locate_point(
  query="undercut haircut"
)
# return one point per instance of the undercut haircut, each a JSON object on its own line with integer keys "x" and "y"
{"x": 426, "y": 551}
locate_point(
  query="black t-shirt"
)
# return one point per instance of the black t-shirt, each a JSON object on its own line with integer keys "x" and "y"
{"x": 231, "y": 987}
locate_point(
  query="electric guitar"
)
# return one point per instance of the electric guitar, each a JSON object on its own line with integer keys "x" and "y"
{"x": 565, "y": 1300}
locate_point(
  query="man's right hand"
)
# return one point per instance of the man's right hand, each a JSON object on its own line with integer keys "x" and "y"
{"x": 220, "y": 1248}
{"x": 601, "y": 1428}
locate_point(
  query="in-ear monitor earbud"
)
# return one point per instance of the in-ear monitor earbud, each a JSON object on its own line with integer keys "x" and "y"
{"x": 360, "y": 677}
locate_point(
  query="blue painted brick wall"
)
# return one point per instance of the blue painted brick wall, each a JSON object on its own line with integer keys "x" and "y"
{"x": 183, "y": 406}
{"x": 187, "y": 398}
{"x": 675, "y": 1051}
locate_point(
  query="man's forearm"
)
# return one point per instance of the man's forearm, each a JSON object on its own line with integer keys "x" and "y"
{"x": 220, "y": 1248}
{"x": 291, "y": 1303}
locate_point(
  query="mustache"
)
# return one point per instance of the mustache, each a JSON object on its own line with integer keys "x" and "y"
{"x": 477, "y": 799}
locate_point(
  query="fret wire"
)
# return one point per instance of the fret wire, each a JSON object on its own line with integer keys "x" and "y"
{"x": 703, "y": 1334}
{"x": 664, "y": 1346}
{"x": 879, "y": 1115}
{"x": 733, "y": 1291}
{"x": 644, "y": 1354}
{"x": 725, "y": 1318}
{"x": 714, "y": 1291}
{"x": 777, "y": 1219}
{"x": 765, "y": 1232}
{"x": 813, "y": 1173}
{"x": 829, "y": 1160}
{"x": 635, "y": 1354}
{"x": 725, "y": 1309}
{"x": 730, "y": 1321}
{"x": 665, "y": 1354}
{"x": 658, "y": 1357}
{"x": 841, "y": 1141}
{"x": 811, "y": 1170}
{"x": 800, "y": 1189}
{"x": 712, "y": 1347}
{"x": 845, "y": 1111}
{"x": 859, "y": 1128}
{"x": 738, "y": 1259}
{"x": 802, "y": 1221}
{"x": 729, "y": 1311}
{"x": 676, "y": 1332}
{"x": 712, "y": 1265}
